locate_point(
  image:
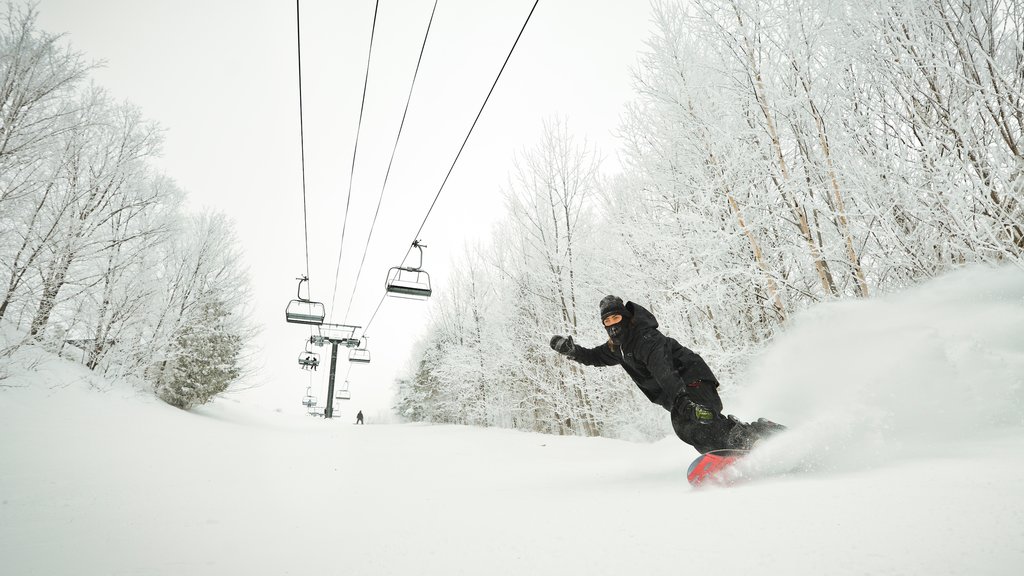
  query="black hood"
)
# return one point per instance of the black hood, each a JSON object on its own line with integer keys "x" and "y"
{"x": 642, "y": 319}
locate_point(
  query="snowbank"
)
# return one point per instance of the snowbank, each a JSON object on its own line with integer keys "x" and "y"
{"x": 904, "y": 373}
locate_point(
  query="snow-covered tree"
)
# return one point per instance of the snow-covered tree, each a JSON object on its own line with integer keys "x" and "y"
{"x": 100, "y": 184}
{"x": 206, "y": 359}
{"x": 39, "y": 77}
{"x": 115, "y": 312}
{"x": 202, "y": 305}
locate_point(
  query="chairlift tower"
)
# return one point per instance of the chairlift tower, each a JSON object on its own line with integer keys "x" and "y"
{"x": 337, "y": 335}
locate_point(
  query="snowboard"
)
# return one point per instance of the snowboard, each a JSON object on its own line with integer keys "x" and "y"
{"x": 714, "y": 467}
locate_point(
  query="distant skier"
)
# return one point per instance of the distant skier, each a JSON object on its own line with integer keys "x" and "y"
{"x": 359, "y": 417}
{"x": 669, "y": 374}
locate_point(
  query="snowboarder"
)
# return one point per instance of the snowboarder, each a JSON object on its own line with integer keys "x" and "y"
{"x": 669, "y": 374}
{"x": 359, "y": 417}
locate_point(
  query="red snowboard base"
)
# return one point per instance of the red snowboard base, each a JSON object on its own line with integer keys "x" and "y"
{"x": 712, "y": 467}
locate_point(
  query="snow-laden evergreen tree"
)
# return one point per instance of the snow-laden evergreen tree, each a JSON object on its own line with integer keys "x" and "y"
{"x": 207, "y": 357}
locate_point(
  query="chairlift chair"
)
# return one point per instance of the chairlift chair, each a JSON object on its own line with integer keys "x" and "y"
{"x": 303, "y": 310}
{"x": 343, "y": 393}
{"x": 409, "y": 281}
{"x": 309, "y": 360}
{"x": 360, "y": 354}
{"x": 309, "y": 401}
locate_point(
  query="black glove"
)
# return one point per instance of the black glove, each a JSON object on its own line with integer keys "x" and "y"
{"x": 563, "y": 345}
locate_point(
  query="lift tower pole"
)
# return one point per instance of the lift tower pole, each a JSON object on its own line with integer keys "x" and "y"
{"x": 330, "y": 382}
{"x": 337, "y": 335}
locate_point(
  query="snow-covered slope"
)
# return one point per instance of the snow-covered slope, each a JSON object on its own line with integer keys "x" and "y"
{"x": 906, "y": 409}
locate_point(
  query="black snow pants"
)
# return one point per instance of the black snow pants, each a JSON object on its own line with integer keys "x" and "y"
{"x": 693, "y": 424}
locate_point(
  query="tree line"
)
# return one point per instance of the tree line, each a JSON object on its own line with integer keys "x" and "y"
{"x": 776, "y": 154}
{"x": 97, "y": 253}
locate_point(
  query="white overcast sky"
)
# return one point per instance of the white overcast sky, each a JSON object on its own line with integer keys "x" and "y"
{"x": 221, "y": 77}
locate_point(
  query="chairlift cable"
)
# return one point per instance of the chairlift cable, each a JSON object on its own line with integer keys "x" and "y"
{"x": 302, "y": 136}
{"x": 387, "y": 173}
{"x": 472, "y": 126}
{"x": 374, "y": 315}
{"x": 461, "y": 148}
{"x": 302, "y": 142}
{"x": 355, "y": 149}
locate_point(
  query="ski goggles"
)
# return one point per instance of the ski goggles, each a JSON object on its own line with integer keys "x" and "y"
{"x": 612, "y": 320}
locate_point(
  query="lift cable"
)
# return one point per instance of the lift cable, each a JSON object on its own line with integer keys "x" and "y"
{"x": 468, "y": 134}
{"x": 302, "y": 137}
{"x": 461, "y": 148}
{"x": 302, "y": 147}
{"x": 374, "y": 315}
{"x": 355, "y": 149}
{"x": 380, "y": 199}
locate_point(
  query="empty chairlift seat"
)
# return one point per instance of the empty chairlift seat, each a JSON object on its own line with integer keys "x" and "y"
{"x": 359, "y": 355}
{"x": 343, "y": 393}
{"x": 303, "y": 310}
{"x": 409, "y": 281}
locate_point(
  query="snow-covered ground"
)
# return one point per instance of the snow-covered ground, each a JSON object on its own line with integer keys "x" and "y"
{"x": 907, "y": 416}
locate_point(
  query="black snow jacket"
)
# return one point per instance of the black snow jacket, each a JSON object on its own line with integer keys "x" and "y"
{"x": 660, "y": 366}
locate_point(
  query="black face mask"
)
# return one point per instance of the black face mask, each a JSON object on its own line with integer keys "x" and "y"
{"x": 616, "y": 332}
